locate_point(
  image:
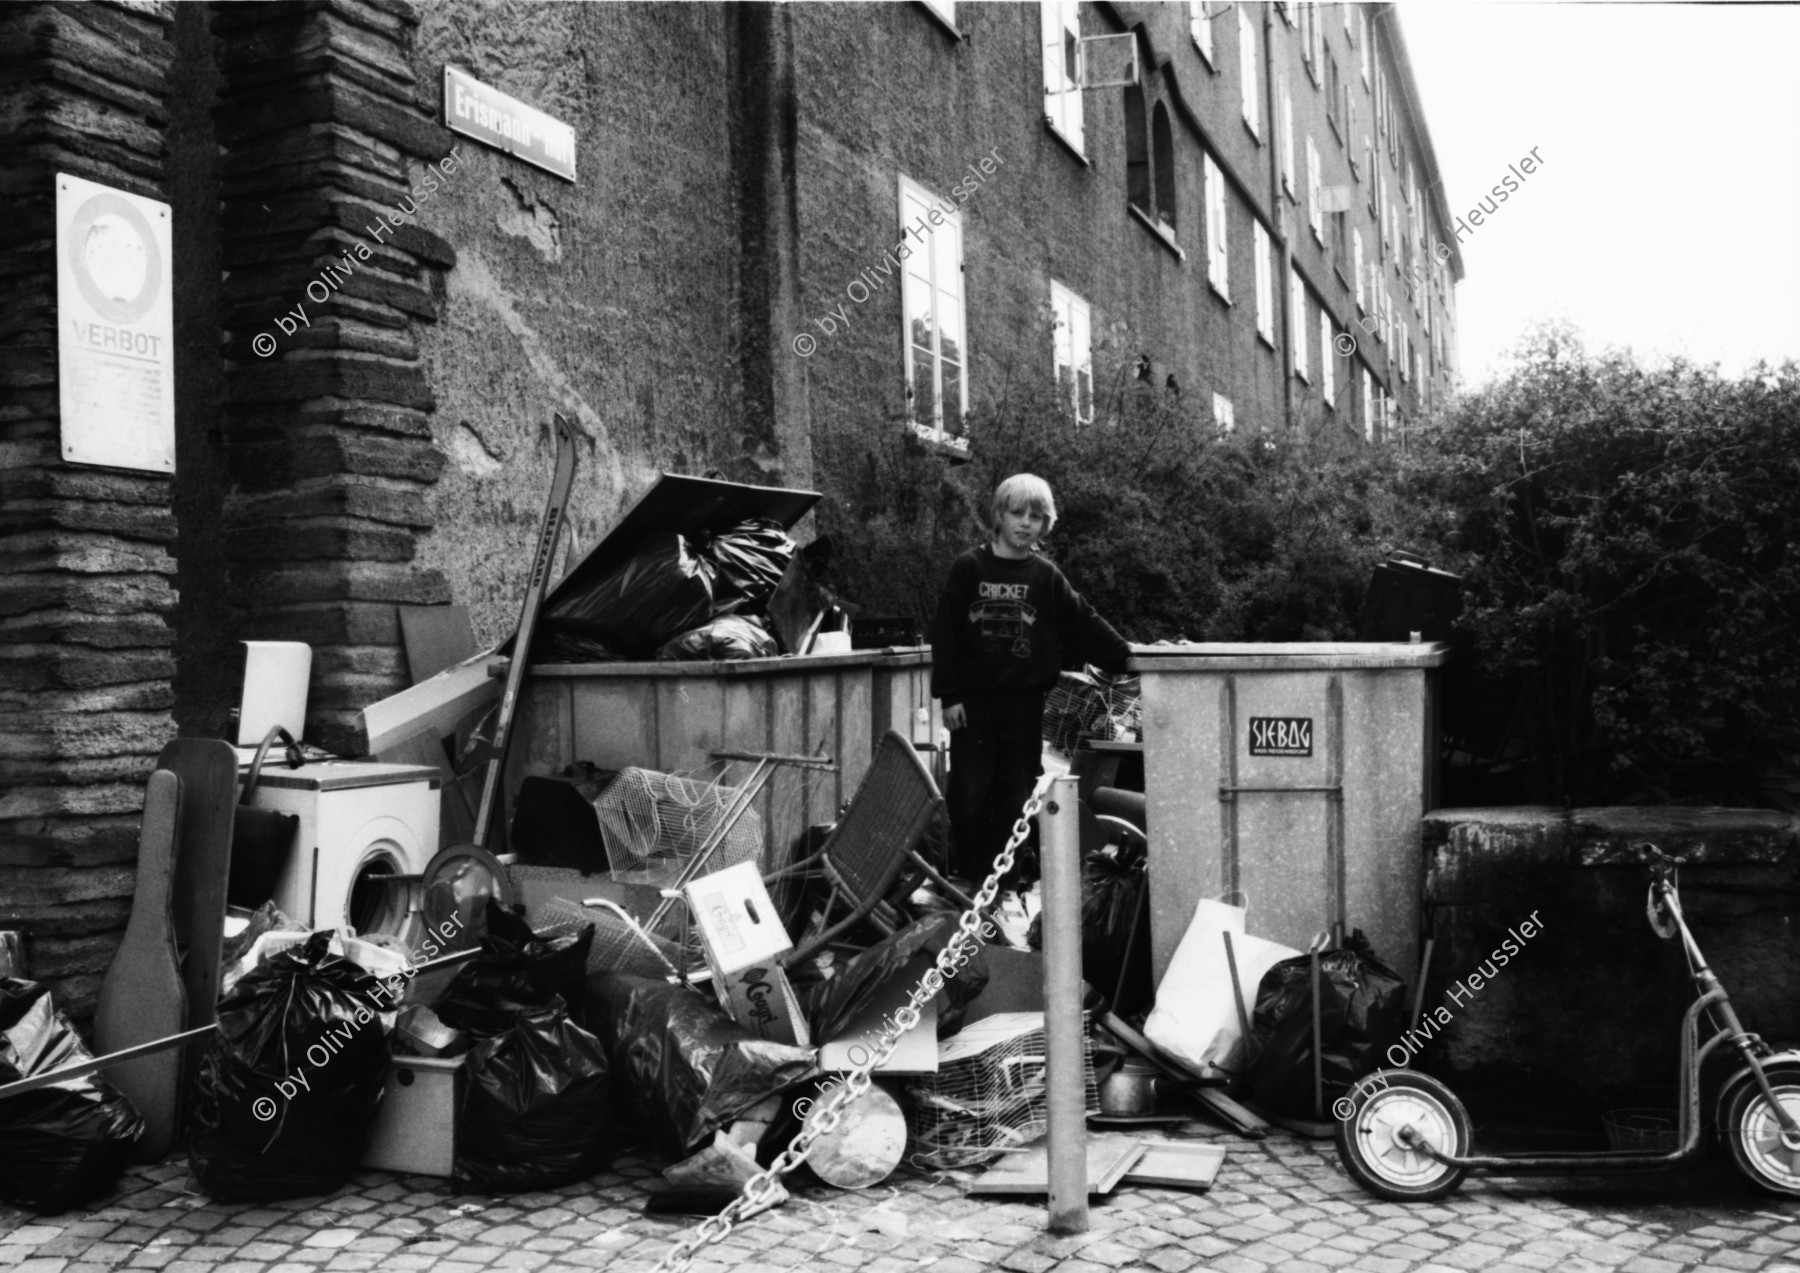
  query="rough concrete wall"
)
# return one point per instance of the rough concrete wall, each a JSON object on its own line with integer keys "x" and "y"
{"x": 86, "y": 575}
{"x": 616, "y": 300}
{"x": 327, "y": 421}
{"x": 1591, "y": 1005}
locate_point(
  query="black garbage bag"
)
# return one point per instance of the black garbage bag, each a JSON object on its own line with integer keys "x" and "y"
{"x": 1112, "y": 888}
{"x": 662, "y": 589}
{"x": 750, "y": 559}
{"x": 731, "y": 636}
{"x": 536, "y": 1106}
{"x": 516, "y": 972}
{"x": 682, "y": 1069}
{"x": 288, "y": 1092}
{"x": 1362, "y": 1012}
{"x": 59, "y": 1145}
{"x": 830, "y": 1005}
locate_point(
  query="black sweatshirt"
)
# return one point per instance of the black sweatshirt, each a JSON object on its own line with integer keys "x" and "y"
{"x": 1003, "y": 624}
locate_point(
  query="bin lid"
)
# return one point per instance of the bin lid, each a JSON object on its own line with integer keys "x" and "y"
{"x": 687, "y": 506}
{"x": 1249, "y": 656}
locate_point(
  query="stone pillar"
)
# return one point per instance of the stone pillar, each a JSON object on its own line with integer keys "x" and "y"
{"x": 86, "y": 571}
{"x": 325, "y": 152}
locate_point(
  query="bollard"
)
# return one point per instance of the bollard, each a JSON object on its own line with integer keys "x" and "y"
{"x": 1059, "y": 840}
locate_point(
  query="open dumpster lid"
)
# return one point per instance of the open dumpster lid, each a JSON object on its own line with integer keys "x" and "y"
{"x": 688, "y": 506}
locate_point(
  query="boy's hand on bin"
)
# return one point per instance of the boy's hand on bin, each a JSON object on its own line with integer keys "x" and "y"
{"x": 954, "y": 716}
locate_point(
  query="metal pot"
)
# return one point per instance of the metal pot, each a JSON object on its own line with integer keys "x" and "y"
{"x": 1130, "y": 1089}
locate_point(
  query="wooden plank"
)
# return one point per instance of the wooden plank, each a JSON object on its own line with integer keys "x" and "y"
{"x": 437, "y": 704}
{"x": 855, "y": 708}
{"x": 1028, "y": 1170}
{"x": 1235, "y": 1115}
{"x": 142, "y": 998}
{"x": 436, "y": 637}
{"x": 1177, "y": 1164}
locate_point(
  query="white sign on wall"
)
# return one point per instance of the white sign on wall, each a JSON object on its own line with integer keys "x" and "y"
{"x": 115, "y": 327}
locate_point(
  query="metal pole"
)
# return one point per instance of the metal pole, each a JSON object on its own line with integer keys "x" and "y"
{"x": 1059, "y": 837}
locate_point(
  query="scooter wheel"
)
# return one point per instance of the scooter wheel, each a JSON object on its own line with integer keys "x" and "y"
{"x": 1751, "y": 1132}
{"x": 1373, "y": 1145}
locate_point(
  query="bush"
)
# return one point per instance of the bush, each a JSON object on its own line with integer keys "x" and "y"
{"x": 1172, "y": 531}
{"x": 1632, "y": 537}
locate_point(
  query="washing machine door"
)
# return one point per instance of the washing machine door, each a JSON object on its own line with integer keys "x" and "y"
{"x": 456, "y": 887}
{"x": 372, "y": 885}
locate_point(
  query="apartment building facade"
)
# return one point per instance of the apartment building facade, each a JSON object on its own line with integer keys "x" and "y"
{"x": 784, "y": 225}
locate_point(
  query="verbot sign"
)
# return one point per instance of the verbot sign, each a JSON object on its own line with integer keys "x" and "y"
{"x": 485, "y": 113}
{"x": 1281, "y": 735}
{"x": 114, "y": 327}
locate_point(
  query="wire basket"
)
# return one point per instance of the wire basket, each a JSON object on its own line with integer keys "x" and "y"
{"x": 1078, "y": 707}
{"x": 989, "y": 1093}
{"x": 653, "y": 824}
{"x": 1644, "y": 1129}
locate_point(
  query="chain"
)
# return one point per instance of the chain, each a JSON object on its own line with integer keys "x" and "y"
{"x": 759, "y": 1191}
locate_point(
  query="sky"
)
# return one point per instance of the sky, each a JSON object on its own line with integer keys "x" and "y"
{"x": 1666, "y": 216}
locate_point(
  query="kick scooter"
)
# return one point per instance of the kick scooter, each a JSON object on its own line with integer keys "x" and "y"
{"x": 1407, "y": 1137}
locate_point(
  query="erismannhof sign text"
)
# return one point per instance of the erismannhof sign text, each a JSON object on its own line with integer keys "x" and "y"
{"x": 485, "y": 113}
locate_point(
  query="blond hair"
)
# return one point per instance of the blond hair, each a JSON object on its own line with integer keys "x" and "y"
{"x": 1024, "y": 490}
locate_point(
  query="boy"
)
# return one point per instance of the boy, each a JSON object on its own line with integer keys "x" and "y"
{"x": 1004, "y": 622}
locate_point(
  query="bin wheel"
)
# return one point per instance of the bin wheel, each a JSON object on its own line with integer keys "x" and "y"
{"x": 1373, "y": 1138}
{"x": 1751, "y": 1133}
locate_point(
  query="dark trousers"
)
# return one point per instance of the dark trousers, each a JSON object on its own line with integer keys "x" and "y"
{"x": 994, "y": 761}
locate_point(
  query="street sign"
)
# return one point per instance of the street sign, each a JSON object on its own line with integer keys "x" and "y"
{"x": 485, "y": 113}
{"x": 115, "y": 327}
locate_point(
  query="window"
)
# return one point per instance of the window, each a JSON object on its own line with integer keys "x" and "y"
{"x": 1074, "y": 352}
{"x": 1368, "y": 401}
{"x": 1312, "y": 44}
{"x": 1062, "y": 94}
{"x": 1200, "y": 23}
{"x": 1297, "y": 321}
{"x": 1356, "y": 255}
{"x": 1327, "y": 356}
{"x": 1265, "y": 281}
{"x": 1315, "y": 213}
{"x": 1367, "y": 48}
{"x": 1285, "y": 141}
{"x": 1340, "y": 242}
{"x": 1137, "y": 148}
{"x": 1247, "y": 67}
{"x": 1222, "y": 413}
{"x": 936, "y": 355}
{"x": 1369, "y": 169}
{"x": 1350, "y": 23}
{"x": 1334, "y": 96}
{"x": 1163, "y": 164}
{"x": 1217, "y": 259}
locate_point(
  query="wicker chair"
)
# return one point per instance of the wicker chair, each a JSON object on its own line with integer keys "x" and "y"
{"x": 866, "y": 856}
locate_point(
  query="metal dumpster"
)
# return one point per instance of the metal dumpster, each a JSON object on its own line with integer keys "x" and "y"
{"x": 1296, "y": 773}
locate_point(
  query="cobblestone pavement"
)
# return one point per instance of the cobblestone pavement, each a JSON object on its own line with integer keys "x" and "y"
{"x": 1282, "y": 1203}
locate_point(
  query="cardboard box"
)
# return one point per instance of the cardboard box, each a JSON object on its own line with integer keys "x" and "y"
{"x": 415, "y": 1129}
{"x": 737, "y": 921}
{"x": 761, "y": 999}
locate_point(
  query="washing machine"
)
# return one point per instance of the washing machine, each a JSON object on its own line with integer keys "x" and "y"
{"x": 366, "y": 833}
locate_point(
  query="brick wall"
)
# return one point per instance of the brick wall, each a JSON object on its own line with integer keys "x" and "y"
{"x": 86, "y": 571}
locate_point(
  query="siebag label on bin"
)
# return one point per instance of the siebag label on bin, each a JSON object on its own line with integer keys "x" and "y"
{"x": 1281, "y": 736}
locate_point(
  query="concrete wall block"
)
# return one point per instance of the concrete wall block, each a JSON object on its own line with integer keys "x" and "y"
{"x": 141, "y": 697}
{"x": 1610, "y": 836}
{"x": 128, "y": 47}
{"x": 25, "y": 667}
{"x": 145, "y": 594}
{"x": 350, "y": 691}
{"x": 337, "y": 730}
{"x": 45, "y": 801}
{"x": 114, "y": 633}
{"x": 69, "y": 841}
{"x": 70, "y": 956}
{"x": 57, "y": 113}
{"x": 383, "y": 663}
{"x": 337, "y": 581}
{"x": 126, "y": 521}
{"x": 29, "y": 886}
{"x": 340, "y": 377}
{"x": 1468, "y": 852}
{"x": 280, "y": 461}
{"x": 329, "y": 538}
{"x": 82, "y": 552}
{"x": 247, "y": 37}
{"x": 373, "y": 416}
{"x": 314, "y": 143}
{"x": 83, "y": 771}
{"x": 327, "y": 623}
{"x": 403, "y": 127}
{"x": 97, "y": 916}
{"x": 81, "y": 735}
{"x": 371, "y": 498}
{"x": 358, "y": 328}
